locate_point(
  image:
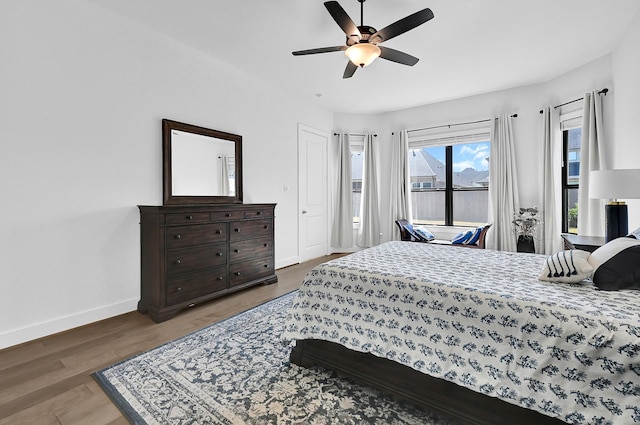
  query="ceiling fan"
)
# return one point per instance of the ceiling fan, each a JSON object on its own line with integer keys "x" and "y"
{"x": 363, "y": 41}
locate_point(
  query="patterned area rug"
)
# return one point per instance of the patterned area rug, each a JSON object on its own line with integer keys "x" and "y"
{"x": 238, "y": 372}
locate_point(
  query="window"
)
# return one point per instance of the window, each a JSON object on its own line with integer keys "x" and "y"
{"x": 570, "y": 178}
{"x": 570, "y": 118}
{"x": 450, "y": 182}
{"x": 421, "y": 185}
{"x": 357, "y": 168}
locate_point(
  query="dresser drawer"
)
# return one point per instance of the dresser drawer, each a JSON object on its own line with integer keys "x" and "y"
{"x": 199, "y": 257}
{"x": 193, "y": 285}
{"x": 250, "y": 248}
{"x": 183, "y": 218}
{"x": 258, "y": 213}
{"x": 247, "y": 271}
{"x": 183, "y": 236}
{"x": 226, "y": 215}
{"x": 240, "y": 230}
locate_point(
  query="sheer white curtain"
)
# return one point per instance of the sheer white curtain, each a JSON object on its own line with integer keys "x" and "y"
{"x": 342, "y": 228}
{"x": 592, "y": 157}
{"x": 369, "y": 229}
{"x": 551, "y": 209}
{"x": 400, "y": 182}
{"x": 503, "y": 186}
{"x": 224, "y": 176}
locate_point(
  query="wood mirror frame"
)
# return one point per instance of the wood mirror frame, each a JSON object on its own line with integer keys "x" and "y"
{"x": 169, "y": 196}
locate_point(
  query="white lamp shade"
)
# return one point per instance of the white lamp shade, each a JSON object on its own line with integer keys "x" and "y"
{"x": 362, "y": 54}
{"x": 614, "y": 184}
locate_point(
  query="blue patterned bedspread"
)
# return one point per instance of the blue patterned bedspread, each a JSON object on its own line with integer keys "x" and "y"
{"x": 481, "y": 319}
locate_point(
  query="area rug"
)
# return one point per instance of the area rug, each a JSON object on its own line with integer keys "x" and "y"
{"x": 237, "y": 372}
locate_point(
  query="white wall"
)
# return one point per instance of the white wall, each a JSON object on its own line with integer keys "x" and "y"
{"x": 626, "y": 69}
{"x": 83, "y": 93}
{"x": 525, "y": 101}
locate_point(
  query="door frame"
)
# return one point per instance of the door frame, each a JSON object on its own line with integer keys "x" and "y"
{"x": 327, "y": 136}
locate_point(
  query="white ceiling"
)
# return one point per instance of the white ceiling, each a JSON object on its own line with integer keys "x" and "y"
{"x": 470, "y": 47}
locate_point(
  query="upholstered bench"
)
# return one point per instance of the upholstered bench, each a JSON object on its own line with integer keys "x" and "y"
{"x": 475, "y": 236}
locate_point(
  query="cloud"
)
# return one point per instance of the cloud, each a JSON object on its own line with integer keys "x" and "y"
{"x": 459, "y": 166}
{"x": 473, "y": 156}
{"x": 466, "y": 149}
{"x": 481, "y": 155}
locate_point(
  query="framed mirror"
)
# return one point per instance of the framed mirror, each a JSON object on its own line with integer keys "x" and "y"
{"x": 200, "y": 165}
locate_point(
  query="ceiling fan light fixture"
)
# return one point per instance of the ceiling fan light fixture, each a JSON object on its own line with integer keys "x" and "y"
{"x": 362, "y": 54}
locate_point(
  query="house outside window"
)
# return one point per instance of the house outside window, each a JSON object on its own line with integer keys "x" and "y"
{"x": 450, "y": 176}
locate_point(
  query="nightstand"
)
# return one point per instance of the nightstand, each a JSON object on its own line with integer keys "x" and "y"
{"x": 585, "y": 243}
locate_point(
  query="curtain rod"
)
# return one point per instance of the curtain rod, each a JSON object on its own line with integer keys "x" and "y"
{"x": 603, "y": 91}
{"x": 452, "y": 125}
{"x": 354, "y": 134}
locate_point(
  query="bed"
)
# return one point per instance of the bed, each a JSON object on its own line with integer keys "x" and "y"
{"x": 472, "y": 334}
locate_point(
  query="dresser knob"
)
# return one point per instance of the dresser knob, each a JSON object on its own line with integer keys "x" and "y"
{"x": 266, "y": 227}
{"x": 220, "y": 277}
{"x": 266, "y": 245}
{"x": 178, "y": 236}
{"x": 259, "y": 213}
{"x": 189, "y": 217}
{"x": 236, "y": 230}
{"x": 228, "y": 214}
{"x": 237, "y": 273}
{"x": 266, "y": 266}
{"x": 178, "y": 261}
{"x": 219, "y": 254}
{"x": 218, "y": 232}
{"x": 178, "y": 289}
{"x": 236, "y": 250}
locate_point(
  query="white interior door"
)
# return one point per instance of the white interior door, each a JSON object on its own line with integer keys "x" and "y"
{"x": 312, "y": 193}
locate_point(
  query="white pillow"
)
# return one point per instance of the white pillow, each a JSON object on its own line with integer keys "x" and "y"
{"x": 567, "y": 266}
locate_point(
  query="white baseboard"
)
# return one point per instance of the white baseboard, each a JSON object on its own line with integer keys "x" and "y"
{"x": 337, "y": 250}
{"x": 50, "y": 327}
{"x": 287, "y": 262}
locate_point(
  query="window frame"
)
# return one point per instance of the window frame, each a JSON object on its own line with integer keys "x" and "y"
{"x": 356, "y": 146}
{"x": 570, "y": 118}
{"x": 476, "y": 132}
{"x": 566, "y": 185}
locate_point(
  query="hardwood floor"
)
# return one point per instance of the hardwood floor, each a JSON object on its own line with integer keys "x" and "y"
{"x": 48, "y": 381}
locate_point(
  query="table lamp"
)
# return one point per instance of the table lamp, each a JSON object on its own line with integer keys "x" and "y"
{"x": 614, "y": 185}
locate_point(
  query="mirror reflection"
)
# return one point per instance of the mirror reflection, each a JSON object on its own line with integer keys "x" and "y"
{"x": 202, "y": 165}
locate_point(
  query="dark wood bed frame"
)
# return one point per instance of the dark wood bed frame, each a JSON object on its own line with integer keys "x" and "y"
{"x": 464, "y": 406}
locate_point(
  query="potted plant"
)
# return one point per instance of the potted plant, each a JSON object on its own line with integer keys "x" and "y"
{"x": 525, "y": 223}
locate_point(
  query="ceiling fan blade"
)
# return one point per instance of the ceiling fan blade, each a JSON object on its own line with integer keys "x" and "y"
{"x": 402, "y": 26}
{"x": 319, "y": 50}
{"x": 343, "y": 20}
{"x": 397, "y": 56}
{"x": 349, "y": 70}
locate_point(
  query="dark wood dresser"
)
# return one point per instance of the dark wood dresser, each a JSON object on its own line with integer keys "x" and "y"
{"x": 194, "y": 253}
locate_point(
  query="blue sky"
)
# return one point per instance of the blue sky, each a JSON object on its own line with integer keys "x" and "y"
{"x": 471, "y": 155}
